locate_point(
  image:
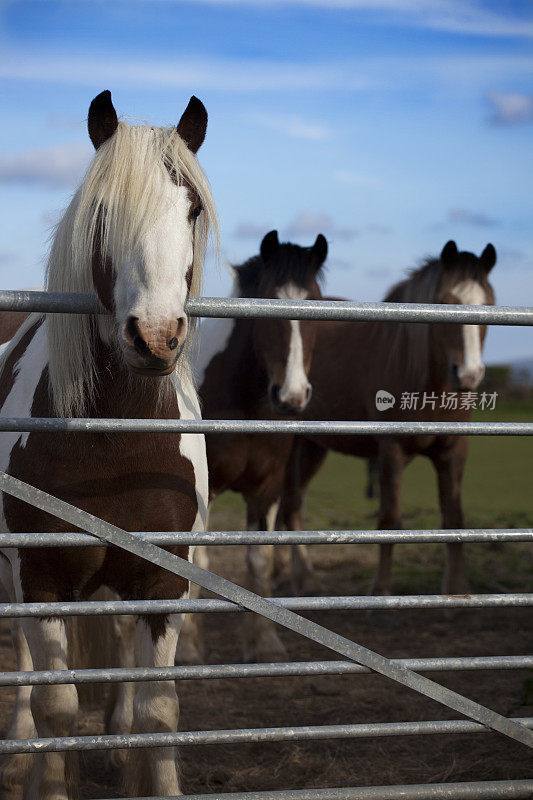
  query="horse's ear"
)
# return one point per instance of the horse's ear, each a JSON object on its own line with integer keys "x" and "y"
{"x": 193, "y": 124}
{"x": 269, "y": 245}
{"x": 488, "y": 257}
{"x": 319, "y": 251}
{"x": 102, "y": 121}
{"x": 449, "y": 254}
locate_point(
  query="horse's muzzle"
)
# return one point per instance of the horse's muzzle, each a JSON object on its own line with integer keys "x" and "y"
{"x": 295, "y": 405}
{"x": 153, "y": 351}
{"x": 151, "y": 365}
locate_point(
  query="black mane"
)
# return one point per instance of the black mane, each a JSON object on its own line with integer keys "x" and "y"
{"x": 420, "y": 284}
{"x": 291, "y": 264}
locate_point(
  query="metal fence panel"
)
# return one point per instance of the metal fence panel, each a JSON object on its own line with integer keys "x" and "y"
{"x": 195, "y": 538}
{"x": 304, "y": 733}
{"x": 89, "y": 608}
{"x": 262, "y": 670}
{"x": 275, "y": 308}
{"x": 263, "y": 426}
{"x": 474, "y": 790}
{"x": 214, "y": 583}
{"x": 279, "y": 609}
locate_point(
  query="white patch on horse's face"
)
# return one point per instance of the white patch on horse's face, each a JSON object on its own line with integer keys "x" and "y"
{"x": 296, "y": 389}
{"x": 152, "y": 287}
{"x": 472, "y": 370}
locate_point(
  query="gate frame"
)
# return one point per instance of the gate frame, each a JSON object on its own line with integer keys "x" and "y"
{"x": 141, "y": 546}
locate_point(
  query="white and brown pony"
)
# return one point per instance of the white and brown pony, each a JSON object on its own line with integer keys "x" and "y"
{"x": 352, "y": 362}
{"x": 258, "y": 369}
{"x": 134, "y": 235}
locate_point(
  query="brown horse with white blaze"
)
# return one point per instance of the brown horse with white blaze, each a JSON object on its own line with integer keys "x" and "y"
{"x": 353, "y": 362}
{"x": 134, "y": 235}
{"x": 258, "y": 369}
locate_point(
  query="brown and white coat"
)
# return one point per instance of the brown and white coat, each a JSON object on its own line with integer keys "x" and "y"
{"x": 132, "y": 236}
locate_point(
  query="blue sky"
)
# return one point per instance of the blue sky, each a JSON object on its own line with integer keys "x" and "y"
{"x": 388, "y": 125}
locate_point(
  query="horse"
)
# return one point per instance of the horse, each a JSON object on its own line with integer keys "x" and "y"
{"x": 134, "y": 235}
{"x": 257, "y": 369}
{"x": 423, "y": 368}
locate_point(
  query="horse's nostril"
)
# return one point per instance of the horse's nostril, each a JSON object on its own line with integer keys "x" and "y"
{"x": 173, "y": 343}
{"x": 140, "y": 345}
{"x": 455, "y": 375}
{"x": 308, "y": 393}
{"x": 274, "y": 393}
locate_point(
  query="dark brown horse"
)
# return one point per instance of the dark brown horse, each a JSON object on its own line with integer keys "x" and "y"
{"x": 257, "y": 369}
{"x": 427, "y": 369}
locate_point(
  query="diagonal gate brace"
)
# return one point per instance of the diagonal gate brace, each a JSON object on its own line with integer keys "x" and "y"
{"x": 231, "y": 591}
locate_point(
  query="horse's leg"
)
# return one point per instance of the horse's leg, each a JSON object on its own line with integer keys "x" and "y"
{"x": 190, "y": 644}
{"x": 305, "y": 461}
{"x": 449, "y": 463}
{"x": 262, "y": 642}
{"x": 392, "y": 461}
{"x": 312, "y": 458}
{"x": 22, "y": 726}
{"x": 372, "y": 477}
{"x": 153, "y": 771}
{"x": 121, "y": 718}
{"x": 54, "y": 708}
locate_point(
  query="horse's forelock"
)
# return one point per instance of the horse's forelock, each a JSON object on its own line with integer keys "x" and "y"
{"x": 116, "y": 204}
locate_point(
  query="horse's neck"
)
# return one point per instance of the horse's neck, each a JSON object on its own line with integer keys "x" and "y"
{"x": 122, "y": 395}
{"x": 228, "y": 372}
{"x": 215, "y": 335}
{"x": 438, "y": 366}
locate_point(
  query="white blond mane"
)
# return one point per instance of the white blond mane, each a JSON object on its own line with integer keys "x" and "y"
{"x": 118, "y": 201}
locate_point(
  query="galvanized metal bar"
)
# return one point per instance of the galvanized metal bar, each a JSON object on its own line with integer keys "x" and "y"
{"x": 471, "y": 790}
{"x": 263, "y": 426}
{"x": 244, "y": 307}
{"x": 264, "y": 670}
{"x": 273, "y": 611}
{"x": 363, "y": 730}
{"x": 346, "y": 310}
{"x": 50, "y": 302}
{"x": 195, "y": 538}
{"x": 89, "y": 608}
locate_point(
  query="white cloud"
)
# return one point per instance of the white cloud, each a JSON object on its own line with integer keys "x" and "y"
{"x": 456, "y": 16}
{"x": 251, "y": 75}
{"x": 354, "y": 178}
{"x": 310, "y": 224}
{"x": 250, "y": 230}
{"x": 296, "y": 126}
{"x": 227, "y": 75}
{"x": 8, "y": 257}
{"x": 56, "y": 166}
{"x": 510, "y": 108}
{"x": 466, "y": 216}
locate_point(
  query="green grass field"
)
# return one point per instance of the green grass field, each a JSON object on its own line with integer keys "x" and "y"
{"x": 497, "y": 493}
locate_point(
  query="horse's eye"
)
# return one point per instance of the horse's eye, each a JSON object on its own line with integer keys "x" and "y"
{"x": 197, "y": 211}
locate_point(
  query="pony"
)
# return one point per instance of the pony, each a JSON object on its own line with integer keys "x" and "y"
{"x": 258, "y": 369}
{"x": 424, "y": 367}
{"x": 134, "y": 235}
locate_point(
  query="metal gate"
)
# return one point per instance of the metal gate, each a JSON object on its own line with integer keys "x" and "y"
{"x": 281, "y": 610}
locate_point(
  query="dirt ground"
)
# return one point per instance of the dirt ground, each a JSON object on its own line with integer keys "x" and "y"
{"x": 337, "y": 699}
